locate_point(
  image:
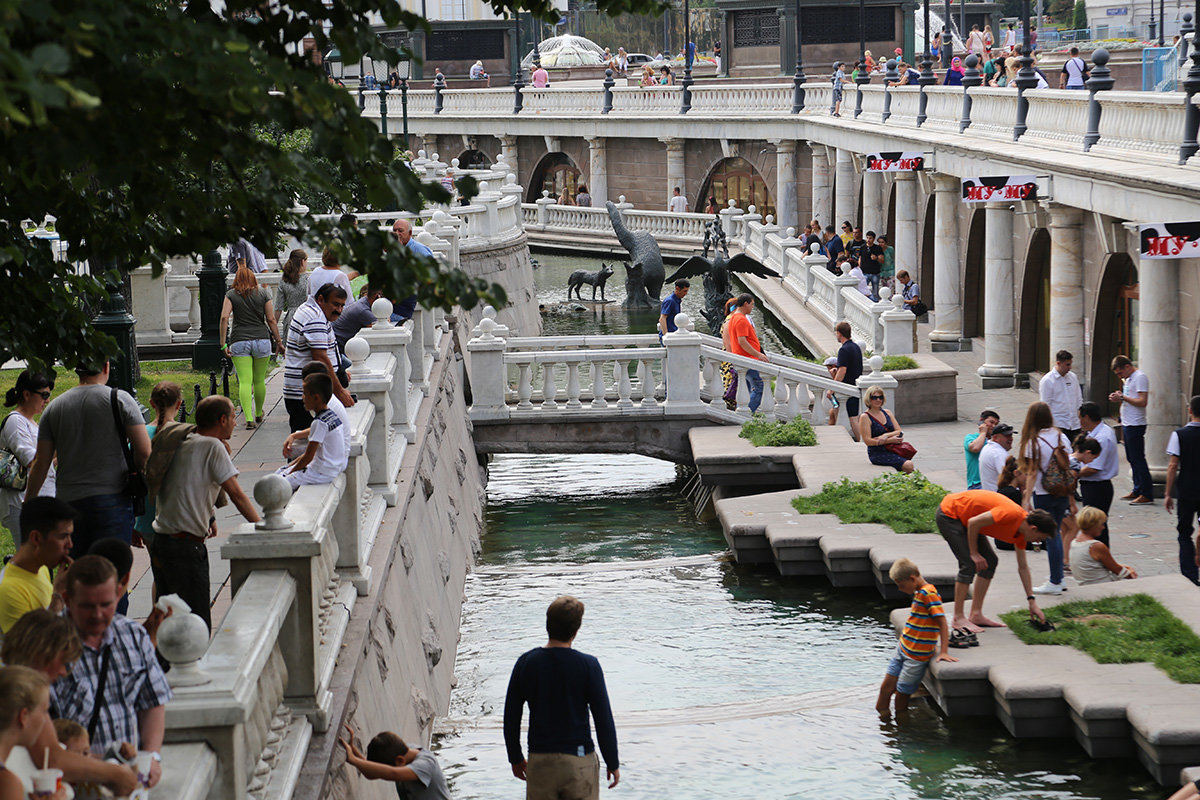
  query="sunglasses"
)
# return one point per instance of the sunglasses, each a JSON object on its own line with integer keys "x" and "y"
{"x": 876, "y": 397}
{"x": 45, "y": 395}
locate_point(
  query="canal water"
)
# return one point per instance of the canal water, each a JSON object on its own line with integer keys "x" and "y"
{"x": 726, "y": 681}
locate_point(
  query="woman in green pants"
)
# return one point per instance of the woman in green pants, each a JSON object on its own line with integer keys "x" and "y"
{"x": 255, "y": 336}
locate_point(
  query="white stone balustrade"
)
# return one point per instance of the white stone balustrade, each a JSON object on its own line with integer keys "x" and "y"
{"x": 905, "y": 103}
{"x": 385, "y": 338}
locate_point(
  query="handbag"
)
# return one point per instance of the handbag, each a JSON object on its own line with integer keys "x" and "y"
{"x": 1059, "y": 479}
{"x": 902, "y": 449}
{"x": 919, "y": 308}
{"x": 135, "y": 482}
{"x": 13, "y": 474}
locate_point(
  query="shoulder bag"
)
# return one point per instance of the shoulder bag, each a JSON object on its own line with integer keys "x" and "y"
{"x": 1059, "y": 479}
{"x": 13, "y": 474}
{"x": 902, "y": 449}
{"x": 135, "y": 481}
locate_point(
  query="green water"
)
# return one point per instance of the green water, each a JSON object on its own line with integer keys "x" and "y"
{"x": 725, "y": 681}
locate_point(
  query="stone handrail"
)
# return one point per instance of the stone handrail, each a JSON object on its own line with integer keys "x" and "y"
{"x": 560, "y": 100}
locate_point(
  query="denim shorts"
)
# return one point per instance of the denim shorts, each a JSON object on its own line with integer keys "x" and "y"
{"x": 907, "y": 671}
{"x": 259, "y": 348}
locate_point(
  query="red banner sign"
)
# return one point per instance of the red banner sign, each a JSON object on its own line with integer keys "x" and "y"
{"x": 1170, "y": 240}
{"x": 895, "y": 162}
{"x": 999, "y": 189}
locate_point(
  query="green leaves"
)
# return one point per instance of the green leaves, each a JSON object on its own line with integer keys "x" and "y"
{"x": 775, "y": 433}
{"x": 907, "y": 503}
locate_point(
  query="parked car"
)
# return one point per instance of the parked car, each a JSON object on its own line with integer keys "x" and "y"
{"x": 637, "y": 59}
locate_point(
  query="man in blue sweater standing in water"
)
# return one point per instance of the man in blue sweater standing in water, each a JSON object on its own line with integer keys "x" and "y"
{"x": 560, "y": 685}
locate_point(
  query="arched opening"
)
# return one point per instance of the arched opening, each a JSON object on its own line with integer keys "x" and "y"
{"x": 1115, "y": 328}
{"x": 474, "y": 159}
{"x": 891, "y": 216}
{"x": 972, "y": 295}
{"x": 555, "y": 172}
{"x": 1196, "y": 368}
{"x": 926, "y": 280}
{"x": 737, "y": 179}
{"x": 1033, "y": 348}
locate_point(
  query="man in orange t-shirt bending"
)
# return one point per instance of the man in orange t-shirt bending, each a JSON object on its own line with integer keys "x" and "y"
{"x": 743, "y": 341}
{"x": 966, "y": 520}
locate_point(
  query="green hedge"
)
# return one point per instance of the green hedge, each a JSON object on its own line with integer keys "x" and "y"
{"x": 907, "y": 503}
{"x": 763, "y": 432}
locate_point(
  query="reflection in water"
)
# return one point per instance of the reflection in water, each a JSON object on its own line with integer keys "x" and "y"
{"x": 725, "y": 681}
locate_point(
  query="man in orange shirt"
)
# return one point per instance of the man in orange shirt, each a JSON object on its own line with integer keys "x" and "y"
{"x": 743, "y": 341}
{"x": 966, "y": 520}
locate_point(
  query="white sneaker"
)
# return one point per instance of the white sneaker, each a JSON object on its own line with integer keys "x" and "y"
{"x": 1050, "y": 588}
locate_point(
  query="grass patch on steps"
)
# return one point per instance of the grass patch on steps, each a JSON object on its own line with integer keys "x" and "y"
{"x": 764, "y": 432}
{"x": 905, "y": 503}
{"x": 1119, "y": 630}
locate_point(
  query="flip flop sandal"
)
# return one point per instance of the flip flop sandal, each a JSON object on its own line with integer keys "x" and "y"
{"x": 1041, "y": 627}
{"x": 963, "y": 639}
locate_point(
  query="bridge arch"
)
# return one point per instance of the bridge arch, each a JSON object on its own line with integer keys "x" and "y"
{"x": 929, "y": 226}
{"x": 972, "y": 295}
{"x": 1033, "y": 348}
{"x": 737, "y": 179}
{"x": 554, "y": 172}
{"x": 474, "y": 159}
{"x": 1114, "y": 323}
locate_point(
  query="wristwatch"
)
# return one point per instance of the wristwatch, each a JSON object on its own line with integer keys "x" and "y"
{"x": 156, "y": 757}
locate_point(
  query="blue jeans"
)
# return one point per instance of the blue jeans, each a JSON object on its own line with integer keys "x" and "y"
{"x": 873, "y": 282}
{"x": 1135, "y": 454}
{"x": 755, "y": 382}
{"x": 102, "y": 516}
{"x": 1057, "y": 506}
{"x": 1186, "y": 506}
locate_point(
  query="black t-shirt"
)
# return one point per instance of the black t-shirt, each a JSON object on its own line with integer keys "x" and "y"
{"x": 868, "y": 264}
{"x": 855, "y": 248}
{"x": 850, "y": 356}
{"x": 833, "y": 247}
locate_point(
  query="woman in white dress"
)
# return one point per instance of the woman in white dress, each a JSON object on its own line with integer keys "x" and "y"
{"x": 19, "y": 435}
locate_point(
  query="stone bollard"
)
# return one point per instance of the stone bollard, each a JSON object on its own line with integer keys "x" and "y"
{"x": 543, "y": 204}
{"x": 971, "y": 79}
{"x": 729, "y": 220}
{"x": 788, "y": 242}
{"x": 1100, "y": 80}
{"x": 183, "y": 641}
{"x": 875, "y": 376}
{"x": 418, "y": 374}
{"x": 489, "y": 380}
{"x": 148, "y": 295}
{"x": 839, "y": 300}
{"x": 490, "y": 222}
{"x": 682, "y": 369}
{"x": 385, "y": 337}
{"x": 899, "y": 330}
{"x": 813, "y": 262}
{"x": 878, "y": 310}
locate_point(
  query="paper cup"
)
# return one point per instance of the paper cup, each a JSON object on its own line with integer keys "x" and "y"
{"x": 46, "y": 782}
{"x": 144, "y": 760}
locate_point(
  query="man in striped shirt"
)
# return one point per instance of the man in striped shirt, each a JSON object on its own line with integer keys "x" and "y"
{"x": 926, "y": 627}
{"x": 310, "y": 338}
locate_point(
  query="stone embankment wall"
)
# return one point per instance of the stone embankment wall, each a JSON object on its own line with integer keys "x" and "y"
{"x": 396, "y": 668}
{"x": 509, "y": 266}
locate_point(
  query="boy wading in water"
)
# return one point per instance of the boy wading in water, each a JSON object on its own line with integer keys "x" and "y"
{"x": 925, "y": 630}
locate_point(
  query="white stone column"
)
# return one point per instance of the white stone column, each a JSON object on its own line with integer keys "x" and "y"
{"x": 598, "y": 169}
{"x": 843, "y": 203}
{"x": 676, "y": 169}
{"x": 786, "y": 200}
{"x": 508, "y": 149}
{"x": 822, "y": 186}
{"x": 1066, "y": 284}
{"x": 947, "y": 296}
{"x": 874, "y": 215}
{"x": 1158, "y": 357}
{"x": 999, "y": 313}
{"x": 908, "y": 232}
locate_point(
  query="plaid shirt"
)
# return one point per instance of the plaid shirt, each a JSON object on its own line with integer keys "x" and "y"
{"x": 135, "y": 682}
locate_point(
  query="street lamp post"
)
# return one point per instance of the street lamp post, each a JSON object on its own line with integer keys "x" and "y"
{"x": 1153, "y": 28}
{"x": 362, "y": 74}
{"x": 890, "y": 76}
{"x": 517, "y": 83}
{"x": 687, "y": 59}
{"x": 1191, "y": 119}
{"x": 862, "y": 76}
{"x": 1162, "y": 22}
{"x": 971, "y": 79}
{"x": 799, "y": 78}
{"x": 379, "y": 68}
{"x": 206, "y": 352}
{"x": 404, "y": 70}
{"x": 1026, "y": 77}
{"x": 927, "y": 77}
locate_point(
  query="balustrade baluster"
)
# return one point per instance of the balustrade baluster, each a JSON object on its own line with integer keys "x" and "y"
{"x": 573, "y": 385}
{"x": 624, "y": 388}
{"x": 767, "y": 404}
{"x": 549, "y": 388}
{"x": 524, "y": 386}
{"x": 646, "y": 375}
{"x": 598, "y": 388}
{"x": 794, "y": 408}
{"x": 708, "y": 373}
{"x": 194, "y": 309}
{"x": 743, "y": 392}
{"x": 781, "y": 399}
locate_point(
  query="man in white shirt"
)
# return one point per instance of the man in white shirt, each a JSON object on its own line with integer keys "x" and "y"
{"x": 1074, "y": 72}
{"x": 1059, "y": 389}
{"x": 1095, "y": 479}
{"x": 678, "y": 203}
{"x": 993, "y": 457}
{"x": 1133, "y": 397}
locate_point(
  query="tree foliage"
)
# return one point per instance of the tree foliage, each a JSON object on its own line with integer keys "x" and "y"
{"x": 1079, "y": 19}
{"x": 151, "y": 128}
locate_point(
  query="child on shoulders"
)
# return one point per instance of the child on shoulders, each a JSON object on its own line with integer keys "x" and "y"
{"x": 327, "y": 453}
{"x": 416, "y": 772}
{"x": 1091, "y": 559}
{"x": 925, "y": 631}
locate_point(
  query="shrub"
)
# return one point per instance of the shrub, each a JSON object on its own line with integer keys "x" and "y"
{"x": 763, "y": 432}
{"x": 897, "y": 363}
{"x": 907, "y": 503}
{"x": 1119, "y": 630}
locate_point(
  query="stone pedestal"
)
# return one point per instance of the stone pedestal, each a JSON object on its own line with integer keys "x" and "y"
{"x": 1066, "y": 285}
{"x": 999, "y": 314}
{"x": 682, "y": 370}
{"x": 383, "y": 337}
{"x": 899, "y": 330}
{"x": 508, "y": 149}
{"x": 598, "y": 170}
{"x": 488, "y": 376}
{"x": 844, "y": 206}
{"x": 676, "y": 169}
{"x": 1158, "y": 357}
{"x": 875, "y": 376}
{"x": 822, "y": 186}
{"x": 148, "y": 296}
{"x": 947, "y": 295}
{"x": 786, "y": 199}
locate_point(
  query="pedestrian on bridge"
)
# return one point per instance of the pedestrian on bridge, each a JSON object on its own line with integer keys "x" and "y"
{"x": 743, "y": 341}
{"x": 672, "y": 306}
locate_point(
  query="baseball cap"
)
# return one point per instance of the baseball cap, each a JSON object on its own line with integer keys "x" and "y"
{"x": 1003, "y": 429}
{"x": 831, "y": 361}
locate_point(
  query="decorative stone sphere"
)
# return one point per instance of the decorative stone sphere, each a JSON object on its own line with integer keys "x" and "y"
{"x": 435, "y": 157}
{"x": 357, "y": 350}
{"x": 607, "y": 74}
{"x": 972, "y": 61}
{"x": 454, "y": 162}
{"x": 885, "y": 292}
{"x": 876, "y": 363}
{"x": 382, "y": 309}
{"x": 483, "y": 186}
{"x": 431, "y": 227}
{"x": 621, "y": 199}
{"x": 733, "y": 203}
{"x": 488, "y": 313}
{"x": 420, "y": 154}
{"x": 682, "y": 321}
{"x": 790, "y": 233}
{"x": 545, "y": 194}
{"x": 752, "y": 210}
{"x": 770, "y": 219}
{"x": 1100, "y": 56}
{"x": 510, "y": 179}
{"x": 440, "y": 216}
{"x": 814, "y": 248}
{"x": 486, "y": 328}
{"x": 273, "y": 492}
{"x": 183, "y": 640}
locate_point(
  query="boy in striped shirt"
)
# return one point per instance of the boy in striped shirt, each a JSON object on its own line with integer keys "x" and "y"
{"x": 925, "y": 630}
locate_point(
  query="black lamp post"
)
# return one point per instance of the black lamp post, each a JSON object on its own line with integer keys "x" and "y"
{"x": 890, "y": 76}
{"x": 1099, "y": 80}
{"x": 1184, "y": 29}
{"x": 927, "y": 77}
{"x": 1153, "y": 25}
{"x": 334, "y": 67}
{"x": 971, "y": 79}
{"x": 379, "y": 68}
{"x": 517, "y": 83}
{"x": 1191, "y": 119}
{"x": 862, "y": 76}
{"x": 404, "y": 70}
{"x": 1026, "y": 77}
{"x": 687, "y": 59}
{"x": 115, "y": 320}
{"x": 799, "y": 78}
{"x": 1162, "y": 22}
{"x": 362, "y": 74}
{"x": 206, "y": 352}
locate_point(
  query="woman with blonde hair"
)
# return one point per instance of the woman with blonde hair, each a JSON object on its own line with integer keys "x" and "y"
{"x": 48, "y": 644}
{"x": 877, "y": 429}
{"x": 566, "y": 197}
{"x": 255, "y": 336}
{"x": 1041, "y": 442}
{"x": 166, "y": 398}
{"x": 1093, "y": 561}
{"x": 293, "y": 288}
{"x": 24, "y": 715}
